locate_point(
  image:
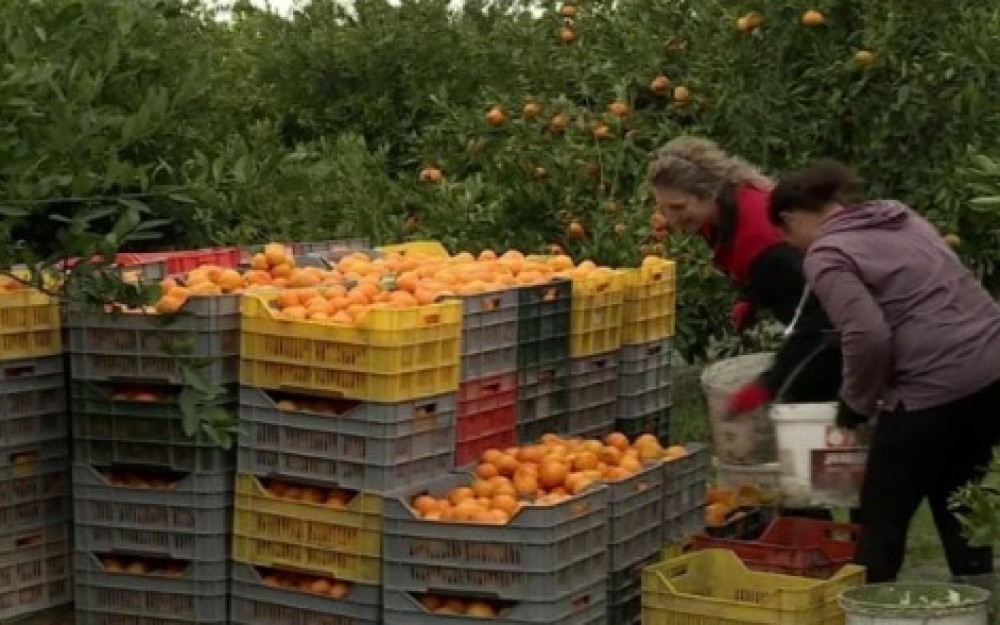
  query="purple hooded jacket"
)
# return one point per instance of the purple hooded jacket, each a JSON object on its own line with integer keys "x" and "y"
{"x": 916, "y": 327}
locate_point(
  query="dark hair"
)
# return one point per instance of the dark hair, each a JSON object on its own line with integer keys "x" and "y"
{"x": 811, "y": 189}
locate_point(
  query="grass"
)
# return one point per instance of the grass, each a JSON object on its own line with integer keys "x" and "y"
{"x": 689, "y": 422}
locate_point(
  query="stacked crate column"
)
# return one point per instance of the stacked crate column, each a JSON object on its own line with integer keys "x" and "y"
{"x": 35, "y": 515}
{"x": 649, "y": 302}
{"x": 487, "y": 417}
{"x": 593, "y": 395}
{"x": 543, "y": 329}
{"x": 645, "y": 389}
{"x": 548, "y": 564}
{"x": 635, "y": 539}
{"x": 334, "y": 417}
{"x": 152, "y": 499}
{"x": 685, "y": 485}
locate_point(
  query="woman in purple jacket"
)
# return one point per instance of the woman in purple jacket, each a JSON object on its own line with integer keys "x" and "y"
{"x": 921, "y": 348}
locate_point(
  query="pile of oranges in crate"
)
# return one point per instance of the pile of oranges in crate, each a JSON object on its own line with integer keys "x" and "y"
{"x": 547, "y": 473}
{"x": 359, "y": 282}
{"x": 302, "y": 582}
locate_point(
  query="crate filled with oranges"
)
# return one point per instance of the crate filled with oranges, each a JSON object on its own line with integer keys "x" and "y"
{"x": 357, "y": 445}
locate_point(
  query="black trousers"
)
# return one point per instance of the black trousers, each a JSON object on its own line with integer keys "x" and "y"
{"x": 929, "y": 454}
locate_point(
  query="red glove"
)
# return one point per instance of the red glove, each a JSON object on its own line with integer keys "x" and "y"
{"x": 748, "y": 399}
{"x": 743, "y": 315}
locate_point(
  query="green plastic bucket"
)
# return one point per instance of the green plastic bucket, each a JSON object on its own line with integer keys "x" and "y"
{"x": 913, "y": 603}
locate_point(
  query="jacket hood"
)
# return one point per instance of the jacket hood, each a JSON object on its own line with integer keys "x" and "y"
{"x": 878, "y": 214}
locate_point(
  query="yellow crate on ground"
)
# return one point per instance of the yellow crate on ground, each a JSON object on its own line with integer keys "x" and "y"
{"x": 342, "y": 541}
{"x": 415, "y": 248}
{"x": 596, "y": 317}
{"x": 714, "y": 586}
{"x": 391, "y": 355}
{"x": 650, "y": 304}
{"x": 29, "y": 324}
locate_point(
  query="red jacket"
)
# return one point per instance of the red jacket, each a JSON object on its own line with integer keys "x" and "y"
{"x": 743, "y": 233}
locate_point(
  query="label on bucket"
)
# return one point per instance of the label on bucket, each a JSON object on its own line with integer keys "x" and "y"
{"x": 837, "y": 473}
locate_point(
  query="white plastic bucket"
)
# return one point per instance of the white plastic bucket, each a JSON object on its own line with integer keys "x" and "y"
{"x": 747, "y": 439}
{"x": 821, "y": 464}
{"x": 915, "y": 603}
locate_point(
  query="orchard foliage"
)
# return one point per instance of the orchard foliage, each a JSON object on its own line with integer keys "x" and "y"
{"x": 510, "y": 124}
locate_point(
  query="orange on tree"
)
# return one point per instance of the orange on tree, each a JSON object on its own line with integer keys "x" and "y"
{"x": 496, "y": 117}
{"x": 812, "y": 17}
{"x": 660, "y": 85}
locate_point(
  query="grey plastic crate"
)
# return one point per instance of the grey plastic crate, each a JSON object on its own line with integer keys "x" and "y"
{"x": 31, "y": 501}
{"x": 542, "y": 552}
{"x": 59, "y": 615}
{"x": 331, "y": 246}
{"x": 593, "y": 395}
{"x": 685, "y": 484}
{"x": 192, "y": 520}
{"x": 104, "y": 598}
{"x": 105, "y": 347}
{"x": 256, "y": 603}
{"x": 369, "y": 447}
{"x": 32, "y": 401}
{"x": 625, "y": 593}
{"x": 35, "y": 570}
{"x": 585, "y": 607}
{"x": 635, "y": 518}
{"x": 690, "y": 469}
{"x": 685, "y": 524}
{"x": 489, "y": 334}
{"x": 645, "y": 386}
{"x": 543, "y": 393}
{"x": 108, "y": 431}
{"x": 543, "y": 324}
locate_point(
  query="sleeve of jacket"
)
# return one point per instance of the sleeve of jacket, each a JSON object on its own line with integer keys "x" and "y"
{"x": 866, "y": 339}
{"x": 777, "y": 283}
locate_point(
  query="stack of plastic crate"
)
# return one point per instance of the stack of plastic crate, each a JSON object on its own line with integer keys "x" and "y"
{"x": 548, "y": 564}
{"x": 334, "y": 417}
{"x": 35, "y": 540}
{"x": 543, "y": 373}
{"x": 635, "y": 539}
{"x": 487, "y": 396}
{"x": 595, "y": 340}
{"x": 684, "y": 487}
{"x": 645, "y": 381}
{"x": 152, "y": 498}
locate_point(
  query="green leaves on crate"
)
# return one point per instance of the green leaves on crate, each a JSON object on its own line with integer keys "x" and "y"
{"x": 202, "y": 406}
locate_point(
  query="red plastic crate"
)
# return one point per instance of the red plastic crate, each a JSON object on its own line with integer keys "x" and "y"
{"x": 183, "y": 262}
{"x": 487, "y": 417}
{"x": 793, "y": 546}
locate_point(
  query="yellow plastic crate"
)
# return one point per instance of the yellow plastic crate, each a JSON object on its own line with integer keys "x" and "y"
{"x": 596, "y": 318}
{"x": 311, "y": 538}
{"x": 29, "y": 325}
{"x": 416, "y": 248}
{"x": 650, "y": 305}
{"x": 714, "y": 586}
{"x": 392, "y": 355}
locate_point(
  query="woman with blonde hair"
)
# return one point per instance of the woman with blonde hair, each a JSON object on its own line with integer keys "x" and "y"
{"x": 701, "y": 189}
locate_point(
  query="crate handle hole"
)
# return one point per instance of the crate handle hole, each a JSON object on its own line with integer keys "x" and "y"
{"x": 493, "y": 387}
{"x": 11, "y": 373}
{"x": 491, "y": 303}
{"x": 432, "y": 319}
